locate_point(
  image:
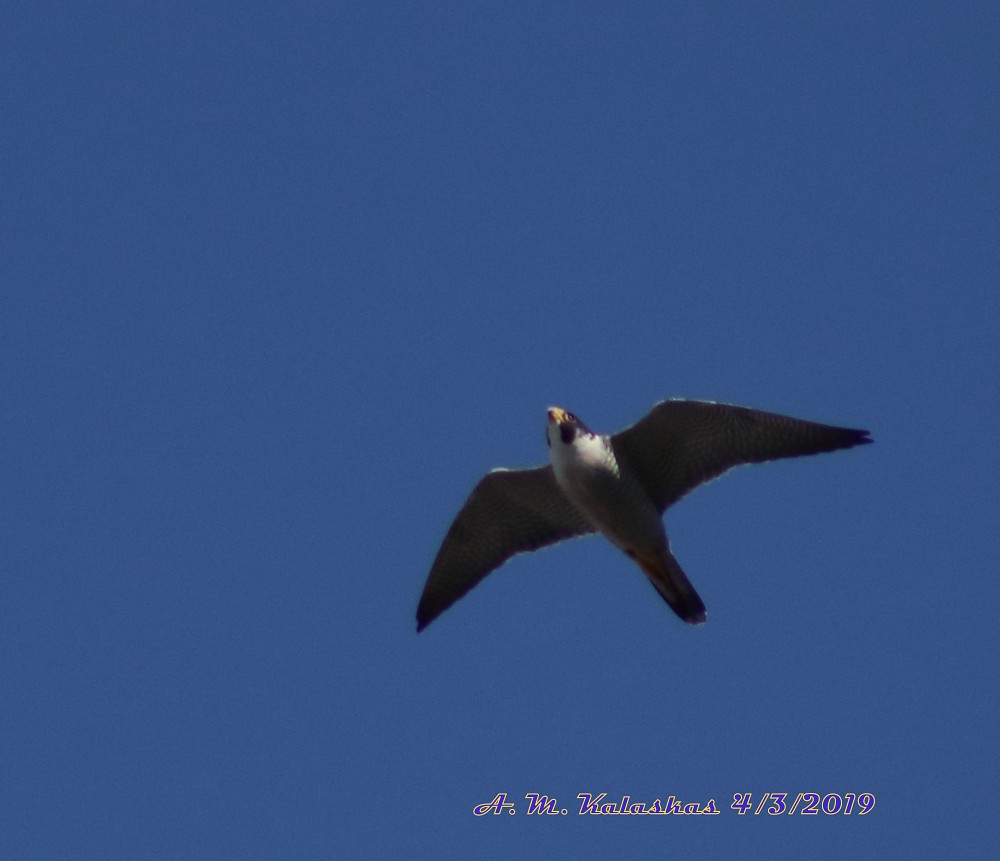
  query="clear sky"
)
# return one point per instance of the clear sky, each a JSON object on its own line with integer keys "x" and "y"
{"x": 278, "y": 284}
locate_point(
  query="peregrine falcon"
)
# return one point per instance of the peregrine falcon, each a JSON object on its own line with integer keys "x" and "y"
{"x": 618, "y": 485}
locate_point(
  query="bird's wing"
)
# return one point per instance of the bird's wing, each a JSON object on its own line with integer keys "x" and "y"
{"x": 681, "y": 444}
{"x": 508, "y": 512}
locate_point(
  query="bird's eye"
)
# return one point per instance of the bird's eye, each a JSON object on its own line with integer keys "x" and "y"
{"x": 571, "y": 417}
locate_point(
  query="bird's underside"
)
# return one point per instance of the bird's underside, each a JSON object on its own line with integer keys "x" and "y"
{"x": 618, "y": 485}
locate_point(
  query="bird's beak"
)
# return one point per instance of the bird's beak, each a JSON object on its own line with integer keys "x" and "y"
{"x": 557, "y": 415}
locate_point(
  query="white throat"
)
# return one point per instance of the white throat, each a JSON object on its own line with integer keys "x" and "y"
{"x": 574, "y": 460}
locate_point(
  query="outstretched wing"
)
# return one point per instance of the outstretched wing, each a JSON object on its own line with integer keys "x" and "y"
{"x": 508, "y": 512}
{"x": 681, "y": 444}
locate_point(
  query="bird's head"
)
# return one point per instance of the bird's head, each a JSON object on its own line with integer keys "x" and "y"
{"x": 563, "y": 427}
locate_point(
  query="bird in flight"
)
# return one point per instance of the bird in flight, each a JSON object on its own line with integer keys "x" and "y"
{"x": 618, "y": 485}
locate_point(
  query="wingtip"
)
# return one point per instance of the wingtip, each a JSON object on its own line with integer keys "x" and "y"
{"x": 850, "y": 437}
{"x": 426, "y": 615}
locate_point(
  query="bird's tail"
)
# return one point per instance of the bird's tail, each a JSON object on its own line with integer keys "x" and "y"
{"x": 672, "y": 583}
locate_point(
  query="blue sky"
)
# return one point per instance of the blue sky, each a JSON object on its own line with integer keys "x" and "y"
{"x": 281, "y": 282}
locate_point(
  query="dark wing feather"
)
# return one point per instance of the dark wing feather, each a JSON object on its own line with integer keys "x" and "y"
{"x": 508, "y": 512}
{"x": 681, "y": 444}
